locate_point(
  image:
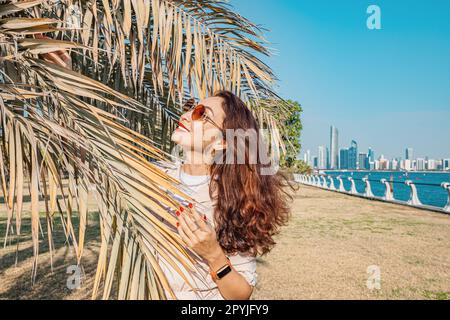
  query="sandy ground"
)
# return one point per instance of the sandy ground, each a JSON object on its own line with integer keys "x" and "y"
{"x": 332, "y": 240}
{"x": 332, "y": 246}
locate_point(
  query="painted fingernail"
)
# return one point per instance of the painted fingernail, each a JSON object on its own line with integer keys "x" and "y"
{"x": 190, "y": 205}
{"x": 204, "y": 217}
{"x": 181, "y": 209}
{"x": 178, "y": 224}
{"x": 178, "y": 213}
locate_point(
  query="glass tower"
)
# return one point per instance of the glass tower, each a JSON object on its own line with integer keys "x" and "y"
{"x": 334, "y": 148}
{"x": 353, "y": 156}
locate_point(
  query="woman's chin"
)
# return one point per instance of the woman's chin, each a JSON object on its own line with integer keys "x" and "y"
{"x": 179, "y": 138}
{"x": 176, "y": 137}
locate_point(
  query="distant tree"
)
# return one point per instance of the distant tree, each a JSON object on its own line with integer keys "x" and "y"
{"x": 290, "y": 132}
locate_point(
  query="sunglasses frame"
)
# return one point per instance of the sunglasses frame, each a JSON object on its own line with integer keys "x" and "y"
{"x": 204, "y": 116}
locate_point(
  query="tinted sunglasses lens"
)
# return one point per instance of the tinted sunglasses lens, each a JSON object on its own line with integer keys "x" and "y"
{"x": 198, "y": 112}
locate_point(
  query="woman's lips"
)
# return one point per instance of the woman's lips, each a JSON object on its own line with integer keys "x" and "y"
{"x": 180, "y": 124}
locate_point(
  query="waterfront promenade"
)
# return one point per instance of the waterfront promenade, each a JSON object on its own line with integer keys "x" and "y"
{"x": 323, "y": 253}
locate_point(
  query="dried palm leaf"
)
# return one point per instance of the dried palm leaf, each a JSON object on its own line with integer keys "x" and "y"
{"x": 98, "y": 130}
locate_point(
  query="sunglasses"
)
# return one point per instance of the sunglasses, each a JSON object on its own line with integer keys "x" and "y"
{"x": 199, "y": 112}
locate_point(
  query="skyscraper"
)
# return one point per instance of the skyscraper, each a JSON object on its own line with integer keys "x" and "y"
{"x": 409, "y": 154}
{"x": 328, "y": 158}
{"x": 315, "y": 162}
{"x": 353, "y": 156}
{"x": 343, "y": 159}
{"x": 308, "y": 158}
{"x": 334, "y": 148}
{"x": 446, "y": 164}
{"x": 420, "y": 164}
{"x": 363, "y": 161}
{"x": 322, "y": 158}
{"x": 371, "y": 155}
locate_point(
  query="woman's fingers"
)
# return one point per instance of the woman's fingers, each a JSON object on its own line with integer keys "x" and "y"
{"x": 193, "y": 226}
{"x": 186, "y": 228}
{"x": 183, "y": 235}
{"x": 40, "y": 36}
{"x": 55, "y": 58}
{"x": 198, "y": 220}
{"x": 59, "y": 57}
{"x": 190, "y": 225}
{"x": 65, "y": 56}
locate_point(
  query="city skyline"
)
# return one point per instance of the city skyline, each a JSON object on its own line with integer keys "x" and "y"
{"x": 351, "y": 157}
{"x": 388, "y": 88}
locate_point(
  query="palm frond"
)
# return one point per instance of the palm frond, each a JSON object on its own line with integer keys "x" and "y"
{"x": 99, "y": 128}
{"x": 59, "y": 144}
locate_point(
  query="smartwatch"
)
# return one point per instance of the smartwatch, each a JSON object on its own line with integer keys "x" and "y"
{"x": 223, "y": 271}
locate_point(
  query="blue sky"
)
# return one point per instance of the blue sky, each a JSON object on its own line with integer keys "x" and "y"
{"x": 387, "y": 89}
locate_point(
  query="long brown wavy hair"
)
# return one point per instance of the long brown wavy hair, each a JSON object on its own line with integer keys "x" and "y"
{"x": 249, "y": 207}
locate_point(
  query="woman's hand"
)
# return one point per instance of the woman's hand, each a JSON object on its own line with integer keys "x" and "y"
{"x": 201, "y": 237}
{"x": 59, "y": 57}
{"x": 198, "y": 235}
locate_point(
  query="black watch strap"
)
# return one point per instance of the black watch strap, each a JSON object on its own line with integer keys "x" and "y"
{"x": 222, "y": 273}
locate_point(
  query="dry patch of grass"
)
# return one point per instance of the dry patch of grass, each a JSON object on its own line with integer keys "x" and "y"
{"x": 323, "y": 253}
{"x": 51, "y": 282}
{"x": 332, "y": 239}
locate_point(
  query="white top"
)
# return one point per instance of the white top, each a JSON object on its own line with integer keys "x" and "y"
{"x": 244, "y": 263}
{"x": 193, "y": 181}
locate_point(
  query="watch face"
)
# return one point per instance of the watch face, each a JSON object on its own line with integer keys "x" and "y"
{"x": 223, "y": 272}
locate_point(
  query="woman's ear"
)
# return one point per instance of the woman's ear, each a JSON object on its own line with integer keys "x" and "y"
{"x": 214, "y": 151}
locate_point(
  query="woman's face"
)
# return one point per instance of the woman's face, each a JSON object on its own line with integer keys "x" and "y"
{"x": 198, "y": 135}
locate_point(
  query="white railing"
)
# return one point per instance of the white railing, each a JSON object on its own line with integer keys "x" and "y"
{"x": 327, "y": 182}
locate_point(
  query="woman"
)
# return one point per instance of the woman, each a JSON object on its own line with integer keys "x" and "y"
{"x": 242, "y": 207}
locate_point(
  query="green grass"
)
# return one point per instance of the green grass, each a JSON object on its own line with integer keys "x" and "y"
{"x": 436, "y": 295}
